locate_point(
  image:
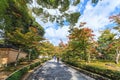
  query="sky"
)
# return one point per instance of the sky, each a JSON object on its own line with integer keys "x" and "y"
{"x": 95, "y": 15}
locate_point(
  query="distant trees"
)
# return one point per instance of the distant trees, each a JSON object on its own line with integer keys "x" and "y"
{"x": 46, "y": 48}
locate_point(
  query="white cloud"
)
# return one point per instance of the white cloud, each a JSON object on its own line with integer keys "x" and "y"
{"x": 97, "y": 17}
{"x": 52, "y": 34}
{"x": 72, "y": 9}
{"x": 53, "y": 11}
{"x": 55, "y": 35}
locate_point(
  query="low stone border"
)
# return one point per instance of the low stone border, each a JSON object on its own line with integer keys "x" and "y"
{"x": 38, "y": 62}
{"x": 28, "y": 74}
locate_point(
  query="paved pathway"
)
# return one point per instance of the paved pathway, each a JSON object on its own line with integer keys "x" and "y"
{"x": 52, "y": 70}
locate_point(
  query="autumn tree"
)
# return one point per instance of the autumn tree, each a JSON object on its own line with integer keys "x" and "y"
{"x": 22, "y": 40}
{"x": 104, "y": 44}
{"x": 46, "y": 48}
{"x": 18, "y": 25}
{"x": 14, "y": 15}
{"x": 81, "y": 41}
{"x": 116, "y": 43}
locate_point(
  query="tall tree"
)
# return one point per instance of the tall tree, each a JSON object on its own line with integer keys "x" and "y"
{"x": 14, "y": 14}
{"x": 81, "y": 39}
{"x": 116, "y": 43}
{"x": 104, "y": 41}
{"x": 28, "y": 40}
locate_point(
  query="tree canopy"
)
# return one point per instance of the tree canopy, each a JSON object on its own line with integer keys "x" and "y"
{"x": 61, "y": 7}
{"x": 14, "y": 15}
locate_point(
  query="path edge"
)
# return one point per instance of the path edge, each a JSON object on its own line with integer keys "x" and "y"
{"x": 88, "y": 73}
{"x": 29, "y": 73}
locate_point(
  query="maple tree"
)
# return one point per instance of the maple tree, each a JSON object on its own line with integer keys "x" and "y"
{"x": 46, "y": 48}
{"x": 116, "y": 43}
{"x": 109, "y": 43}
{"x": 104, "y": 41}
{"x": 80, "y": 41}
{"x": 22, "y": 40}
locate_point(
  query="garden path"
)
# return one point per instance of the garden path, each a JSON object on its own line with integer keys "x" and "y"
{"x": 52, "y": 70}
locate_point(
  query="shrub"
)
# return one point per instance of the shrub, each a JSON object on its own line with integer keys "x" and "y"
{"x": 19, "y": 73}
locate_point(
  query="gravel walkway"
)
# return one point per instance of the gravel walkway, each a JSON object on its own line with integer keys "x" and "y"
{"x": 52, "y": 70}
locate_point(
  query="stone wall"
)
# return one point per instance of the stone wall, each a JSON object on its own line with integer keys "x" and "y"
{"x": 8, "y": 55}
{"x": 3, "y": 56}
{"x": 13, "y": 54}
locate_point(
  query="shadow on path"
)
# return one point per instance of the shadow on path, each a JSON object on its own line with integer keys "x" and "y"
{"x": 56, "y": 71}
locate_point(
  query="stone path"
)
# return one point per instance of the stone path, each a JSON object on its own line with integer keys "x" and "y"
{"x": 52, "y": 70}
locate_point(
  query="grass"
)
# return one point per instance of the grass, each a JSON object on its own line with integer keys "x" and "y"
{"x": 107, "y": 65}
{"x": 103, "y": 64}
{"x": 100, "y": 63}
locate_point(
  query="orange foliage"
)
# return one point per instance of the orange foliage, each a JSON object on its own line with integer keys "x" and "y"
{"x": 33, "y": 29}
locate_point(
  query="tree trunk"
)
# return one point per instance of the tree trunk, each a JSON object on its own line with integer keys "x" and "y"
{"x": 88, "y": 57}
{"x": 17, "y": 57}
{"x": 117, "y": 56}
{"x": 29, "y": 57}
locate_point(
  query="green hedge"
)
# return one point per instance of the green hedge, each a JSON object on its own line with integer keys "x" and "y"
{"x": 114, "y": 75}
{"x": 19, "y": 73}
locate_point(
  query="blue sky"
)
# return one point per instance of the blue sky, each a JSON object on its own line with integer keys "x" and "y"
{"x": 96, "y": 17}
